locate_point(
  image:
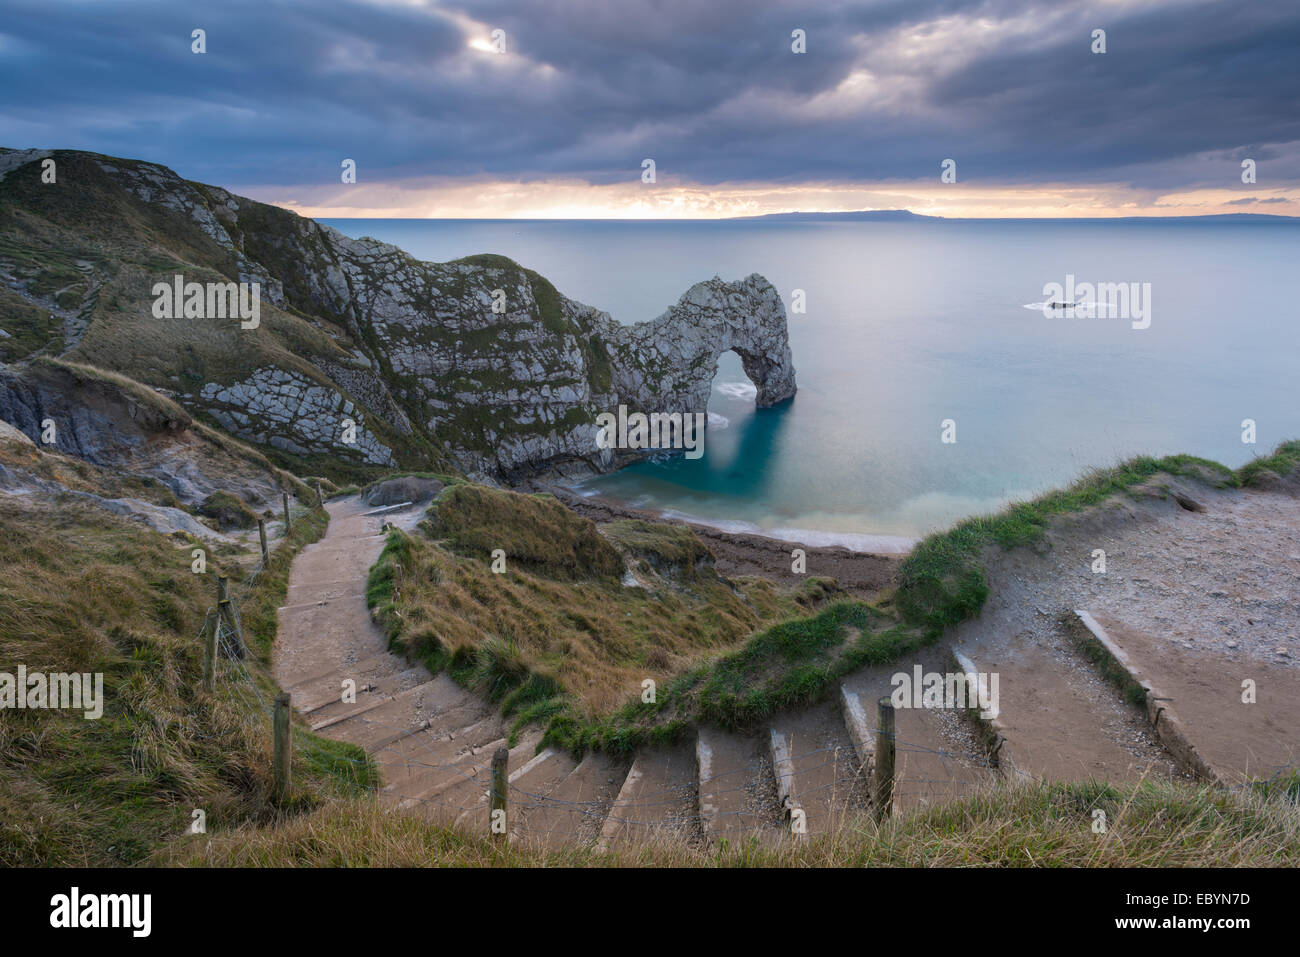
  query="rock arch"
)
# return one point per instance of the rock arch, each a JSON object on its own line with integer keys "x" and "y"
{"x": 668, "y": 363}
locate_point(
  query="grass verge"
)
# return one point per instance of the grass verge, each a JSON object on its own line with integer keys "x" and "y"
{"x": 86, "y": 591}
{"x": 1149, "y": 824}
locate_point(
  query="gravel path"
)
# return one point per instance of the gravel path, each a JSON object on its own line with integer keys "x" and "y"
{"x": 1214, "y": 588}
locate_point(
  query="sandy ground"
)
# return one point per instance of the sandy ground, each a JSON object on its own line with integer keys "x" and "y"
{"x": 1208, "y": 689}
{"x": 1207, "y": 598}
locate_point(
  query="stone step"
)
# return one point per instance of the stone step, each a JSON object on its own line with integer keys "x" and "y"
{"x": 409, "y": 712}
{"x": 575, "y": 809}
{"x": 369, "y": 695}
{"x": 522, "y": 756}
{"x": 939, "y": 755}
{"x": 1194, "y": 701}
{"x": 414, "y": 767}
{"x": 658, "y": 800}
{"x": 1060, "y": 719}
{"x": 327, "y": 684}
{"x": 736, "y": 787}
{"x": 459, "y": 789}
{"x": 817, "y": 768}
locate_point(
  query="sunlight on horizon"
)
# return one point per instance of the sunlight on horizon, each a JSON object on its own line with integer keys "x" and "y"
{"x": 571, "y": 199}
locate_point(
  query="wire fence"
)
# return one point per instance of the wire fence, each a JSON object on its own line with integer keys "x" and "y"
{"x": 429, "y": 771}
{"x": 445, "y": 772}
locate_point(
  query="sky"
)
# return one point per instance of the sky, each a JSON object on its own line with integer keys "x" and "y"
{"x": 550, "y": 108}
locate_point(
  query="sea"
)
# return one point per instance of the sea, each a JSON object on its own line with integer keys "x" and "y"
{"x": 933, "y": 385}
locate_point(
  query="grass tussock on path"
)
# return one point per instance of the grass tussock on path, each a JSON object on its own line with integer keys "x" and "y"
{"x": 794, "y": 663}
{"x": 561, "y": 638}
{"x": 1151, "y": 824}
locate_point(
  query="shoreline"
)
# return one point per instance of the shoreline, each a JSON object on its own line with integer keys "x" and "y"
{"x": 750, "y": 553}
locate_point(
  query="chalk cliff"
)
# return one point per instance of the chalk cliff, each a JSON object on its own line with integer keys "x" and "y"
{"x": 478, "y": 363}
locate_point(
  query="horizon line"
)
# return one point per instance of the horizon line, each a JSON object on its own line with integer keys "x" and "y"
{"x": 792, "y": 215}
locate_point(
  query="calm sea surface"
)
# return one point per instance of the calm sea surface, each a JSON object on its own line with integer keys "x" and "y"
{"x": 909, "y": 324}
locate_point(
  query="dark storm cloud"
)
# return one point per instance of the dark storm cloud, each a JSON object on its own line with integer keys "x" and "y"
{"x": 709, "y": 89}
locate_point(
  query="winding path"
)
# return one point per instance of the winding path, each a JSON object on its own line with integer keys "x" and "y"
{"x": 433, "y": 740}
{"x": 1201, "y": 599}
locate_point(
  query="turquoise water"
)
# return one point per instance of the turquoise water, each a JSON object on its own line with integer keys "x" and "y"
{"x": 909, "y": 324}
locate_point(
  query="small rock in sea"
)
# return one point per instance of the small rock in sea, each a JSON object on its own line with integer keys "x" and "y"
{"x": 1281, "y": 650}
{"x": 1232, "y": 644}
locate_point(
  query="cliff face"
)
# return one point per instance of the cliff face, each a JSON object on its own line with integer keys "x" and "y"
{"x": 477, "y": 361}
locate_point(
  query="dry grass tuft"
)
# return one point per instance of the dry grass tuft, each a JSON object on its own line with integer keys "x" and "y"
{"x": 1151, "y": 824}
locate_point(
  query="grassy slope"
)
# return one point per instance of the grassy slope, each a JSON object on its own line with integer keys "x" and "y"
{"x": 128, "y": 244}
{"x": 87, "y": 591}
{"x": 558, "y": 637}
{"x": 735, "y": 678}
{"x": 1152, "y": 824}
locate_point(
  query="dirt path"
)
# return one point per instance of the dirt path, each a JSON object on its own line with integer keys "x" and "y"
{"x": 325, "y": 626}
{"x": 432, "y": 740}
{"x": 1239, "y": 737}
{"x": 1206, "y": 598}
{"x": 1202, "y": 599}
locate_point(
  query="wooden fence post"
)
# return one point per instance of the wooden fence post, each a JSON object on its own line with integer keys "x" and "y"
{"x": 210, "y": 652}
{"x": 226, "y": 613}
{"x": 222, "y": 592}
{"x": 280, "y": 763}
{"x": 320, "y": 499}
{"x": 500, "y": 784}
{"x": 286, "y": 515}
{"x": 884, "y": 796}
{"x": 261, "y": 533}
